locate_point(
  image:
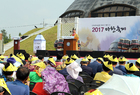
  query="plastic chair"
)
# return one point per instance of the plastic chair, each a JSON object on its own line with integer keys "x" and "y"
{"x": 97, "y": 82}
{"x": 87, "y": 78}
{"x": 63, "y": 93}
{"x": 32, "y": 84}
{"x": 75, "y": 82}
{"x": 94, "y": 84}
{"x": 32, "y": 93}
{"x": 83, "y": 73}
{"x": 73, "y": 89}
{"x": 81, "y": 86}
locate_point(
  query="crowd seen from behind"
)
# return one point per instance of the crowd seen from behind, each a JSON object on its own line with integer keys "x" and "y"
{"x": 22, "y": 70}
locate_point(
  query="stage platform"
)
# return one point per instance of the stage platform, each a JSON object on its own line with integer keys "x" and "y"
{"x": 96, "y": 54}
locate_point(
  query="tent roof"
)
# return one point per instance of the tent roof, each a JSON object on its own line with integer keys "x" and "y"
{"x": 39, "y": 38}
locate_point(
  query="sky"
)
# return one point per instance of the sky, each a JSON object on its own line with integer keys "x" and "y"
{"x": 16, "y": 14}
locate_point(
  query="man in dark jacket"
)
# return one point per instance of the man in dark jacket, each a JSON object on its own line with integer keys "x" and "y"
{"x": 85, "y": 68}
{"x": 96, "y": 65}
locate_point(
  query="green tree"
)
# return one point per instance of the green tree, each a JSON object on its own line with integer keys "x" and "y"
{"x": 4, "y": 33}
{"x": 5, "y": 37}
{"x": 19, "y": 34}
{"x": 10, "y": 37}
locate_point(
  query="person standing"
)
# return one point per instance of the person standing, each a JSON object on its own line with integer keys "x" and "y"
{"x": 75, "y": 37}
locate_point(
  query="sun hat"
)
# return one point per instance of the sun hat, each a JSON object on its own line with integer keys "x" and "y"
{"x": 93, "y": 92}
{"x": 113, "y": 59}
{"x": 74, "y": 56}
{"x": 73, "y": 69}
{"x": 131, "y": 67}
{"x": 2, "y": 57}
{"x": 16, "y": 58}
{"x": 40, "y": 64}
{"x": 51, "y": 62}
{"x": 101, "y": 59}
{"x": 21, "y": 56}
{"x": 106, "y": 56}
{"x": 10, "y": 68}
{"x": 138, "y": 60}
{"x": 69, "y": 62}
{"x": 108, "y": 65}
{"x": 31, "y": 58}
{"x": 65, "y": 57}
{"x": 85, "y": 59}
{"x": 89, "y": 57}
{"x": 122, "y": 59}
{"x": 4, "y": 85}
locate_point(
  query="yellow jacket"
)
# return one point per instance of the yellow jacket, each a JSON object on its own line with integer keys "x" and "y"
{"x": 102, "y": 76}
{"x": 76, "y": 37}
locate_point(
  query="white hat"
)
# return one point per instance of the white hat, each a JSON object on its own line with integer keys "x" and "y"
{"x": 73, "y": 69}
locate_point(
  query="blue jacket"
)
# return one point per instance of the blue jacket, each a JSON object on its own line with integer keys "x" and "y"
{"x": 19, "y": 84}
{"x": 16, "y": 90}
{"x": 96, "y": 67}
{"x": 87, "y": 69}
{"x": 64, "y": 72}
{"x": 122, "y": 68}
{"x": 116, "y": 71}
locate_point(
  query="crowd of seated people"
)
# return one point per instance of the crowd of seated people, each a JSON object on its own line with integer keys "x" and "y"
{"x": 19, "y": 72}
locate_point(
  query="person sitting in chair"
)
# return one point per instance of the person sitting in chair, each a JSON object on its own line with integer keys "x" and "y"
{"x": 85, "y": 68}
{"x": 104, "y": 76}
{"x": 73, "y": 70}
{"x": 130, "y": 69}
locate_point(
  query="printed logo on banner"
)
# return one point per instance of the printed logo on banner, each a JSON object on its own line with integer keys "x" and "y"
{"x": 109, "y": 28}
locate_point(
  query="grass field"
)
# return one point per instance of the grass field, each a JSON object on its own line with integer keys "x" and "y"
{"x": 50, "y": 36}
{"x": 32, "y": 31}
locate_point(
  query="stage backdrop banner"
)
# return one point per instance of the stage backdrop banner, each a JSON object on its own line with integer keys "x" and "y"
{"x": 103, "y": 34}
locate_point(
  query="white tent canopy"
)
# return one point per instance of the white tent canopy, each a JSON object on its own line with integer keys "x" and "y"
{"x": 39, "y": 43}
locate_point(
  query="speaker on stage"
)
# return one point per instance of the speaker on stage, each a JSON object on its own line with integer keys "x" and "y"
{"x": 69, "y": 53}
{"x": 96, "y": 54}
{"x": 19, "y": 51}
{"x": 44, "y": 53}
